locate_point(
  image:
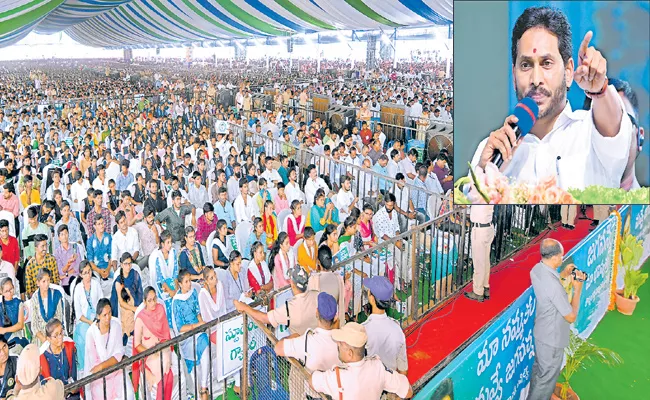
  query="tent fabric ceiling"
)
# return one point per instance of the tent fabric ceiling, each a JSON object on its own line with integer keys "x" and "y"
{"x": 133, "y": 23}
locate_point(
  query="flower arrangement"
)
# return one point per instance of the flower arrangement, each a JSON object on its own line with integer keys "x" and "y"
{"x": 490, "y": 186}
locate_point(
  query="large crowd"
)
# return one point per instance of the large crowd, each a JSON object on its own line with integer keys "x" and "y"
{"x": 123, "y": 206}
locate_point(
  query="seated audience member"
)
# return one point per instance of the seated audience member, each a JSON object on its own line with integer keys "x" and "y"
{"x": 59, "y": 360}
{"x": 104, "y": 348}
{"x": 235, "y": 283}
{"x": 28, "y": 378}
{"x": 206, "y": 224}
{"x": 295, "y": 223}
{"x": 307, "y": 252}
{"x": 86, "y": 294}
{"x": 259, "y": 276}
{"x": 219, "y": 247}
{"x": 270, "y": 222}
{"x": 281, "y": 260}
{"x": 98, "y": 252}
{"x": 68, "y": 256}
{"x": 46, "y": 303}
{"x": 187, "y": 317}
{"x": 126, "y": 295}
{"x": 8, "y": 365}
{"x": 258, "y": 235}
{"x": 280, "y": 200}
{"x": 322, "y": 213}
{"x": 13, "y": 314}
{"x": 191, "y": 256}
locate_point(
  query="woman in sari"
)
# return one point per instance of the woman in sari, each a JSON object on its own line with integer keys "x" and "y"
{"x": 295, "y": 223}
{"x": 104, "y": 349}
{"x": 258, "y": 235}
{"x": 270, "y": 222}
{"x": 186, "y": 317}
{"x": 126, "y": 295}
{"x": 281, "y": 260}
{"x": 259, "y": 276}
{"x": 191, "y": 256}
{"x": 47, "y": 303}
{"x": 365, "y": 227}
{"x": 235, "y": 286}
{"x": 84, "y": 298}
{"x": 149, "y": 332}
{"x": 219, "y": 248}
{"x": 13, "y": 316}
{"x": 163, "y": 269}
{"x": 322, "y": 212}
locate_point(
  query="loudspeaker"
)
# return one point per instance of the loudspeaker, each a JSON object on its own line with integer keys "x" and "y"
{"x": 341, "y": 117}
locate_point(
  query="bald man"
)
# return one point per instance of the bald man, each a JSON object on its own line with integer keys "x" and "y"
{"x": 553, "y": 318}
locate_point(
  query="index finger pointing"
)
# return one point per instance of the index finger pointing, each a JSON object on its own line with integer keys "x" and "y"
{"x": 585, "y": 45}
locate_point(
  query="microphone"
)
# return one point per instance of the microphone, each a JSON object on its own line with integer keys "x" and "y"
{"x": 526, "y": 112}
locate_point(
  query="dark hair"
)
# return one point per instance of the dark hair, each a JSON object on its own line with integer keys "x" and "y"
{"x": 329, "y": 229}
{"x": 4, "y": 223}
{"x": 147, "y": 290}
{"x": 275, "y": 250}
{"x": 126, "y": 256}
{"x": 62, "y": 228}
{"x": 101, "y": 304}
{"x": 51, "y": 324}
{"x": 254, "y": 248}
{"x": 309, "y": 232}
{"x": 182, "y": 274}
{"x": 164, "y": 235}
{"x": 118, "y": 217}
{"x": 389, "y": 198}
{"x": 548, "y": 18}
{"x": 325, "y": 257}
{"x": 233, "y": 256}
{"x": 208, "y": 207}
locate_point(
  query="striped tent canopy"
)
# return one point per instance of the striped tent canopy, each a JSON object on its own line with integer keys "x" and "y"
{"x": 127, "y": 23}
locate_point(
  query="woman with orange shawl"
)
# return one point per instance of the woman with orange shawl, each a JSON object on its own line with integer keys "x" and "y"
{"x": 148, "y": 332}
{"x": 270, "y": 222}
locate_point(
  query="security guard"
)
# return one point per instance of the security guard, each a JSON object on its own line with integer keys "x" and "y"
{"x": 299, "y": 314}
{"x": 315, "y": 350}
{"x": 482, "y": 236}
{"x": 361, "y": 377}
{"x": 385, "y": 336}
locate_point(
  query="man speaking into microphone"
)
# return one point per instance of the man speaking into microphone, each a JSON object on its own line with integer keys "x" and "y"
{"x": 579, "y": 148}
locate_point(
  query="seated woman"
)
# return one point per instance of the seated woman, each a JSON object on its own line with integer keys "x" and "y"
{"x": 280, "y": 200}
{"x": 307, "y": 253}
{"x": 86, "y": 294}
{"x": 330, "y": 238}
{"x": 263, "y": 195}
{"x": 322, "y": 213}
{"x": 13, "y": 316}
{"x": 212, "y": 300}
{"x": 59, "y": 360}
{"x": 186, "y": 317}
{"x": 281, "y": 260}
{"x": 234, "y": 284}
{"x": 163, "y": 268}
{"x": 270, "y": 222}
{"x": 295, "y": 223}
{"x": 47, "y": 303}
{"x": 149, "y": 332}
{"x": 126, "y": 295}
{"x": 259, "y": 276}
{"x": 258, "y": 235}
{"x": 104, "y": 349}
{"x": 8, "y": 367}
{"x": 350, "y": 229}
{"x": 191, "y": 256}
{"x": 219, "y": 248}
{"x": 368, "y": 237}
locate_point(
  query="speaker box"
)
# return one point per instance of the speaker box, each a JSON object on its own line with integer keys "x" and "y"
{"x": 262, "y": 101}
{"x": 225, "y": 98}
{"x": 320, "y": 104}
{"x": 341, "y": 117}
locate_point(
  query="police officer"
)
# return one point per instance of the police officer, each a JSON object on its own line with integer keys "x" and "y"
{"x": 553, "y": 317}
{"x": 482, "y": 236}
{"x": 299, "y": 314}
{"x": 315, "y": 349}
{"x": 385, "y": 336}
{"x": 361, "y": 377}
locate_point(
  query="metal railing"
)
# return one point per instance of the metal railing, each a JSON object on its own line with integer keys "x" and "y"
{"x": 368, "y": 185}
{"x": 432, "y": 262}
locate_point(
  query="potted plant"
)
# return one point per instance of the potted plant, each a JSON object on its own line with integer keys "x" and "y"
{"x": 579, "y": 355}
{"x": 631, "y": 251}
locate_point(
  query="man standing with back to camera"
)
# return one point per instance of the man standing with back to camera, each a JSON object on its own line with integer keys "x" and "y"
{"x": 580, "y": 148}
{"x": 553, "y": 317}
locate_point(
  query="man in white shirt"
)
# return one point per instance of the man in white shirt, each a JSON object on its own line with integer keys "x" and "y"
{"x": 393, "y": 164}
{"x": 314, "y": 182}
{"x": 353, "y": 158}
{"x": 125, "y": 239}
{"x": 198, "y": 194}
{"x": 579, "y": 148}
{"x": 271, "y": 175}
{"x": 233, "y": 183}
{"x": 245, "y": 207}
{"x": 101, "y": 182}
{"x": 345, "y": 200}
{"x": 407, "y": 165}
{"x": 292, "y": 189}
{"x": 176, "y": 185}
{"x": 386, "y": 225}
{"x": 56, "y": 185}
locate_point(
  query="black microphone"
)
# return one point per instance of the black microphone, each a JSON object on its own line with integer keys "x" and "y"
{"x": 526, "y": 112}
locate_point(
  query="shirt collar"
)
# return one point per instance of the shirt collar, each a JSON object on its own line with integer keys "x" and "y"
{"x": 551, "y": 269}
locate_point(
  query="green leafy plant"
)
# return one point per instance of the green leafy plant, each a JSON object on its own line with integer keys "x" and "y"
{"x": 602, "y": 195}
{"x": 633, "y": 280}
{"x": 631, "y": 251}
{"x": 582, "y": 353}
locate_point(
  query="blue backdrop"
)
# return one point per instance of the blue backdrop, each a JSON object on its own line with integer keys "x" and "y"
{"x": 622, "y": 33}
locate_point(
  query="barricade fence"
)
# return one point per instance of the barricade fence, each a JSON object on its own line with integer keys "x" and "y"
{"x": 368, "y": 186}
{"x": 432, "y": 262}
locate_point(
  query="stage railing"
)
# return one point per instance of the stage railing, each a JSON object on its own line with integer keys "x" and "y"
{"x": 432, "y": 262}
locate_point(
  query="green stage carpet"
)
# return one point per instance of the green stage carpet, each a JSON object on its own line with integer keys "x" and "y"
{"x": 630, "y": 337}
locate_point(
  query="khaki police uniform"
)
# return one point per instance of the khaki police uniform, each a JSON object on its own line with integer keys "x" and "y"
{"x": 365, "y": 379}
{"x": 316, "y": 351}
{"x": 481, "y": 237}
{"x": 387, "y": 341}
{"x": 299, "y": 313}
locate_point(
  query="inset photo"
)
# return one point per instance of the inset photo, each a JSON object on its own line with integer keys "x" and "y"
{"x": 551, "y": 102}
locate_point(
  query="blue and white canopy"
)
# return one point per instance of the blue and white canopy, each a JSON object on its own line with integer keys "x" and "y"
{"x": 117, "y": 23}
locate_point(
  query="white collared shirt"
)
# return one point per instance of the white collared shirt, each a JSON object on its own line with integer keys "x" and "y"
{"x": 585, "y": 156}
{"x": 124, "y": 243}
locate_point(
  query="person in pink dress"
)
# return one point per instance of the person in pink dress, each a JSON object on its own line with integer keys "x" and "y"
{"x": 295, "y": 223}
{"x": 281, "y": 260}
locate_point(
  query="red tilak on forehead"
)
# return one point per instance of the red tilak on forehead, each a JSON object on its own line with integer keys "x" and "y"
{"x": 534, "y": 50}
